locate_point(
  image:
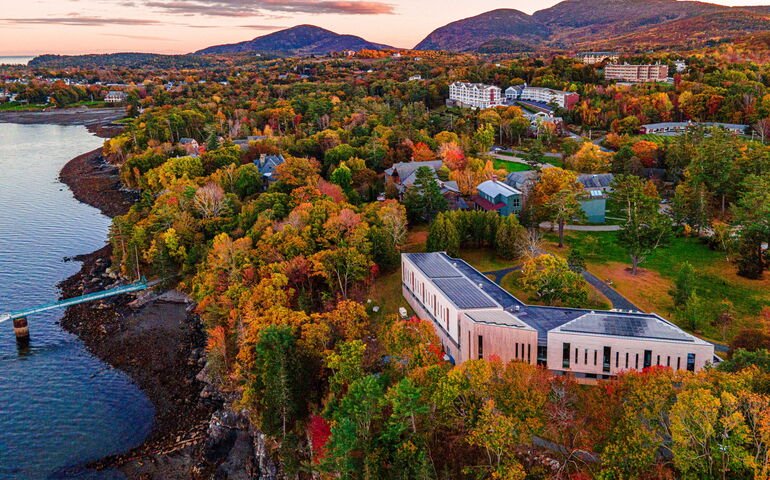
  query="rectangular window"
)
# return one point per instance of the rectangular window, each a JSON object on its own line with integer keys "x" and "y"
{"x": 658, "y": 361}
{"x": 481, "y": 347}
{"x": 647, "y": 358}
{"x": 585, "y": 357}
{"x": 565, "y": 356}
{"x": 626, "y": 359}
{"x": 606, "y": 359}
{"x": 576, "y": 356}
{"x": 517, "y": 351}
{"x": 678, "y": 363}
{"x": 617, "y": 359}
{"x": 529, "y": 353}
{"x": 542, "y": 356}
{"x": 636, "y": 366}
{"x": 691, "y": 362}
{"x": 596, "y": 357}
{"x": 668, "y": 361}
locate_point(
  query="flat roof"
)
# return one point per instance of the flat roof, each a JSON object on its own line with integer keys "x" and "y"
{"x": 469, "y": 289}
{"x": 632, "y": 326}
{"x": 497, "y": 317}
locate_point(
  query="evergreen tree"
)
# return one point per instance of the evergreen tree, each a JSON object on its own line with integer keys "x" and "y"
{"x": 509, "y": 238}
{"x": 684, "y": 284}
{"x": 442, "y": 236}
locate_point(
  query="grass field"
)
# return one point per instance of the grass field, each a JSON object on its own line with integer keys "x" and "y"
{"x": 715, "y": 278}
{"x": 651, "y": 137}
{"x": 509, "y": 166}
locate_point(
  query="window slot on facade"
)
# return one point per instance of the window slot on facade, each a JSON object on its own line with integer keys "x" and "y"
{"x": 529, "y": 352}
{"x": 678, "y": 363}
{"x": 626, "y": 359}
{"x": 565, "y": 355}
{"x": 576, "y": 356}
{"x": 647, "y": 358}
{"x": 596, "y": 357}
{"x": 691, "y": 362}
{"x": 517, "y": 351}
{"x": 617, "y": 359}
{"x": 585, "y": 357}
{"x": 606, "y": 359}
{"x": 636, "y": 366}
{"x": 668, "y": 361}
{"x": 481, "y": 347}
{"x": 658, "y": 361}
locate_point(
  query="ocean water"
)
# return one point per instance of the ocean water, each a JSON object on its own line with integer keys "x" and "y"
{"x": 59, "y": 405}
{"x": 15, "y": 60}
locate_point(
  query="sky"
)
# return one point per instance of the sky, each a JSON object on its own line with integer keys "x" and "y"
{"x": 33, "y": 27}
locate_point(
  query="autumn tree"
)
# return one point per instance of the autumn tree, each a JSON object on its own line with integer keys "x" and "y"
{"x": 555, "y": 197}
{"x": 589, "y": 159}
{"x": 551, "y": 280}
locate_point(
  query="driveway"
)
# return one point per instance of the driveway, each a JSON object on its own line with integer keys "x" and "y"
{"x": 585, "y": 228}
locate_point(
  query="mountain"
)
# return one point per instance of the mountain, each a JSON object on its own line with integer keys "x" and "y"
{"x": 498, "y": 25}
{"x": 299, "y": 40}
{"x": 606, "y": 24}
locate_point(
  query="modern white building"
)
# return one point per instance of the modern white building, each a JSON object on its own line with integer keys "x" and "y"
{"x": 475, "y": 318}
{"x": 475, "y": 95}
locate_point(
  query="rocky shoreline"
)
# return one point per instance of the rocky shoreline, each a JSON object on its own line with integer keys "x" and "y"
{"x": 157, "y": 340}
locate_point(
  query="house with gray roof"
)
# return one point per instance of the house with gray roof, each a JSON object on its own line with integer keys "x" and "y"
{"x": 403, "y": 175}
{"x": 266, "y": 164}
{"x": 475, "y": 318}
{"x": 497, "y": 196}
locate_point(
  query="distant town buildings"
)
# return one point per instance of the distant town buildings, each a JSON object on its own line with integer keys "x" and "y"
{"x": 415, "y": 77}
{"x": 403, "y": 175}
{"x": 115, "y": 96}
{"x": 636, "y": 73}
{"x": 678, "y": 128}
{"x": 591, "y": 58}
{"x": 475, "y": 318}
{"x": 680, "y": 65}
{"x": 474, "y": 95}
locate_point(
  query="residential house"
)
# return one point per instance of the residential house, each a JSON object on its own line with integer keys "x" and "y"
{"x": 497, "y": 196}
{"x": 115, "y": 96}
{"x": 191, "y": 146}
{"x": 266, "y": 164}
{"x": 403, "y": 175}
{"x": 474, "y": 318}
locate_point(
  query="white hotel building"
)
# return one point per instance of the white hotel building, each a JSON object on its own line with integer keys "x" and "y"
{"x": 476, "y": 318}
{"x": 475, "y": 95}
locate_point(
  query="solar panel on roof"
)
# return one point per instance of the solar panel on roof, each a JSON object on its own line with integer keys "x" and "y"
{"x": 433, "y": 265}
{"x": 626, "y": 326}
{"x": 463, "y": 293}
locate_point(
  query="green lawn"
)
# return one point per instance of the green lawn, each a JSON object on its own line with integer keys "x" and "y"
{"x": 16, "y": 107}
{"x": 510, "y": 166}
{"x": 651, "y": 137}
{"x": 715, "y": 277}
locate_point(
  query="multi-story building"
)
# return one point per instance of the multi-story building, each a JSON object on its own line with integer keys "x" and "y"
{"x": 592, "y": 58}
{"x": 475, "y": 95}
{"x": 636, "y": 73}
{"x": 679, "y": 128}
{"x": 565, "y": 100}
{"x": 115, "y": 96}
{"x": 475, "y": 318}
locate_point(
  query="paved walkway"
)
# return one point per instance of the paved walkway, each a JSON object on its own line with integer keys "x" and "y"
{"x": 617, "y": 300}
{"x": 500, "y": 274}
{"x": 585, "y": 228}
